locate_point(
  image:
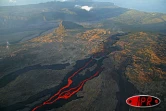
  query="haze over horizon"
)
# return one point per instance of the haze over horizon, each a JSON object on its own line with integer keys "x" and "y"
{"x": 148, "y": 5}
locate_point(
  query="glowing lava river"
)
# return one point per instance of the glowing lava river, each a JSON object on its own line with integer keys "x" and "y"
{"x": 59, "y": 95}
{"x": 73, "y": 85}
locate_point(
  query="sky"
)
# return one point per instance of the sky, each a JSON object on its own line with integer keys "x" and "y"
{"x": 143, "y": 5}
{"x": 114, "y": 1}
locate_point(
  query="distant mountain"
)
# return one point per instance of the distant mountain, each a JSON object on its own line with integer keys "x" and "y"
{"x": 26, "y": 2}
{"x": 21, "y": 2}
{"x": 32, "y": 20}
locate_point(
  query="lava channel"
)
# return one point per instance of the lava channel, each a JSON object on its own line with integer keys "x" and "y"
{"x": 65, "y": 94}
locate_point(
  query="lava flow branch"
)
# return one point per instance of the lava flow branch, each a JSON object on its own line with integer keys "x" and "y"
{"x": 66, "y": 92}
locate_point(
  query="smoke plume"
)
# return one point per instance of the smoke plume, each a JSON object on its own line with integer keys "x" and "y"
{"x": 87, "y": 8}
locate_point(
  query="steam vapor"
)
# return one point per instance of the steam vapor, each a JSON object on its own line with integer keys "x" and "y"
{"x": 87, "y": 8}
{"x": 7, "y": 44}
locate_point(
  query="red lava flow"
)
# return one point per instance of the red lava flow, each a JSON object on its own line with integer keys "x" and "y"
{"x": 61, "y": 94}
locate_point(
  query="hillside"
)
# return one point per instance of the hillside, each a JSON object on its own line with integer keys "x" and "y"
{"x": 57, "y": 56}
{"x": 21, "y": 23}
{"x": 148, "y": 57}
{"x": 147, "y": 66}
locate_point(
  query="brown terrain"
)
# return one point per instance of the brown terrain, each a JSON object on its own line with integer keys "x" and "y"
{"x": 134, "y": 63}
